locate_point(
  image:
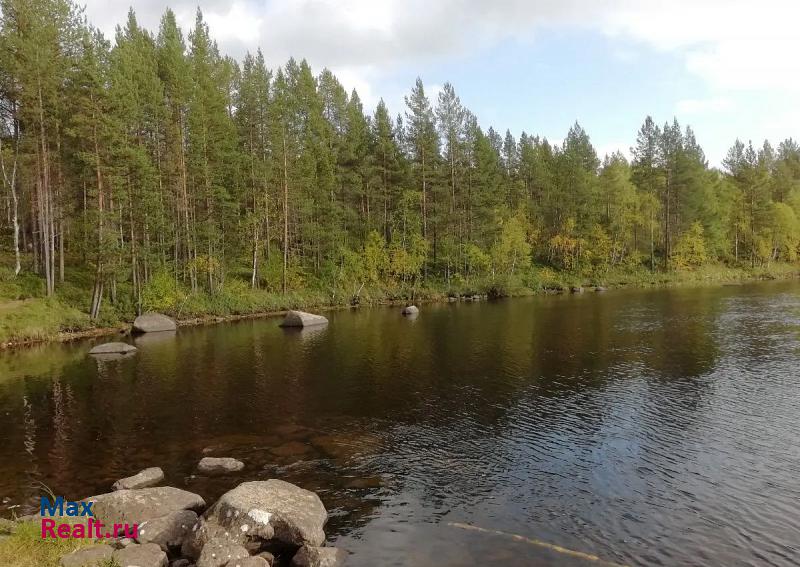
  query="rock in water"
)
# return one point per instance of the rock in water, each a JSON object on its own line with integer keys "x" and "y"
{"x": 219, "y": 465}
{"x": 153, "y": 323}
{"x": 137, "y": 506}
{"x": 260, "y": 511}
{"x": 410, "y": 310}
{"x": 576, "y": 289}
{"x": 113, "y": 348}
{"x": 310, "y": 556}
{"x": 303, "y": 319}
{"x": 143, "y": 479}
{"x": 88, "y": 556}
{"x": 148, "y": 555}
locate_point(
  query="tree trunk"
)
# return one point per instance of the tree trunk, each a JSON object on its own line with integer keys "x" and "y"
{"x": 11, "y": 183}
{"x": 285, "y": 214}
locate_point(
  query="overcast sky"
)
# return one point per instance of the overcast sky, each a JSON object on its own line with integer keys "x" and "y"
{"x": 727, "y": 67}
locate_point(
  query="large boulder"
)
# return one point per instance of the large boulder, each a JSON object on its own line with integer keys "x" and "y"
{"x": 410, "y": 310}
{"x": 170, "y": 531}
{"x": 138, "y": 506}
{"x": 113, "y": 348}
{"x": 153, "y": 323}
{"x": 310, "y": 556}
{"x": 220, "y": 552}
{"x": 302, "y": 319}
{"x": 254, "y": 561}
{"x": 256, "y": 512}
{"x": 219, "y": 465}
{"x": 143, "y": 479}
{"x": 88, "y": 556}
{"x": 147, "y": 555}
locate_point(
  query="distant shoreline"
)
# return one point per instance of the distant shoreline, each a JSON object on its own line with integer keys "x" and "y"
{"x": 676, "y": 279}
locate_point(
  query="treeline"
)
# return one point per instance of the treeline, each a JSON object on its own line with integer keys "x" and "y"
{"x": 159, "y": 159}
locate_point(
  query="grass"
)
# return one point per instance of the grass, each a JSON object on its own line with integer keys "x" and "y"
{"x": 38, "y": 319}
{"x": 26, "y": 548}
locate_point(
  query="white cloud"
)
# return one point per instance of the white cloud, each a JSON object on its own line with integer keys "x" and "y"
{"x": 239, "y": 23}
{"x": 704, "y": 105}
{"x": 733, "y": 44}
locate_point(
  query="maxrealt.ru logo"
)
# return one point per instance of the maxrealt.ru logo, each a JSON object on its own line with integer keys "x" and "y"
{"x": 61, "y": 508}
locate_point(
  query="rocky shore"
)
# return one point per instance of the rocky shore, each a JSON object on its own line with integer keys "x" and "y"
{"x": 256, "y": 524}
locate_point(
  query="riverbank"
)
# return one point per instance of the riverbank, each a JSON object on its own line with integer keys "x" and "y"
{"x": 257, "y": 523}
{"x": 32, "y": 320}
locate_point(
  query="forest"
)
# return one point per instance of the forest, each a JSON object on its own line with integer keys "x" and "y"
{"x": 154, "y": 172}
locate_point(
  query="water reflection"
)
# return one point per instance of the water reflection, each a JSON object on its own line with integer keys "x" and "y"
{"x": 647, "y": 427}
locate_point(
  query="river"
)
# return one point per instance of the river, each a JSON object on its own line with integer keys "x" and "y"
{"x": 646, "y": 427}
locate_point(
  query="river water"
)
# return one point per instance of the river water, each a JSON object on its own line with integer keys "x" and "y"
{"x": 649, "y": 427}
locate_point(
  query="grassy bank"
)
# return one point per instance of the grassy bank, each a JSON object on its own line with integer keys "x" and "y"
{"x": 26, "y": 316}
{"x": 26, "y": 548}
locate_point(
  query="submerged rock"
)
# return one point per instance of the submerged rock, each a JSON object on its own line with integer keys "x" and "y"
{"x": 310, "y": 556}
{"x": 290, "y": 449}
{"x": 138, "y": 506}
{"x": 153, "y": 323}
{"x": 143, "y": 479}
{"x": 219, "y": 465}
{"x": 410, "y": 310}
{"x": 113, "y": 348}
{"x": 303, "y": 319}
{"x": 88, "y": 556}
{"x": 147, "y": 555}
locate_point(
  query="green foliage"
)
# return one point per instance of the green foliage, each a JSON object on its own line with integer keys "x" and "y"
{"x": 512, "y": 252}
{"x": 785, "y": 232}
{"x": 690, "y": 250}
{"x": 162, "y": 293}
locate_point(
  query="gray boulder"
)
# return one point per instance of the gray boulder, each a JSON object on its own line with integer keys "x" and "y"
{"x": 168, "y": 531}
{"x": 88, "y": 556}
{"x": 147, "y": 555}
{"x": 296, "y": 515}
{"x": 410, "y": 310}
{"x": 310, "y": 556}
{"x": 220, "y": 552}
{"x": 113, "y": 348}
{"x": 138, "y": 506}
{"x": 143, "y": 479}
{"x": 266, "y": 556}
{"x": 153, "y": 323}
{"x": 259, "y": 511}
{"x": 219, "y": 465}
{"x": 254, "y": 561}
{"x": 303, "y": 319}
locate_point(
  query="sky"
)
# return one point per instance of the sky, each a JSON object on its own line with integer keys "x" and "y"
{"x": 728, "y": 68}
